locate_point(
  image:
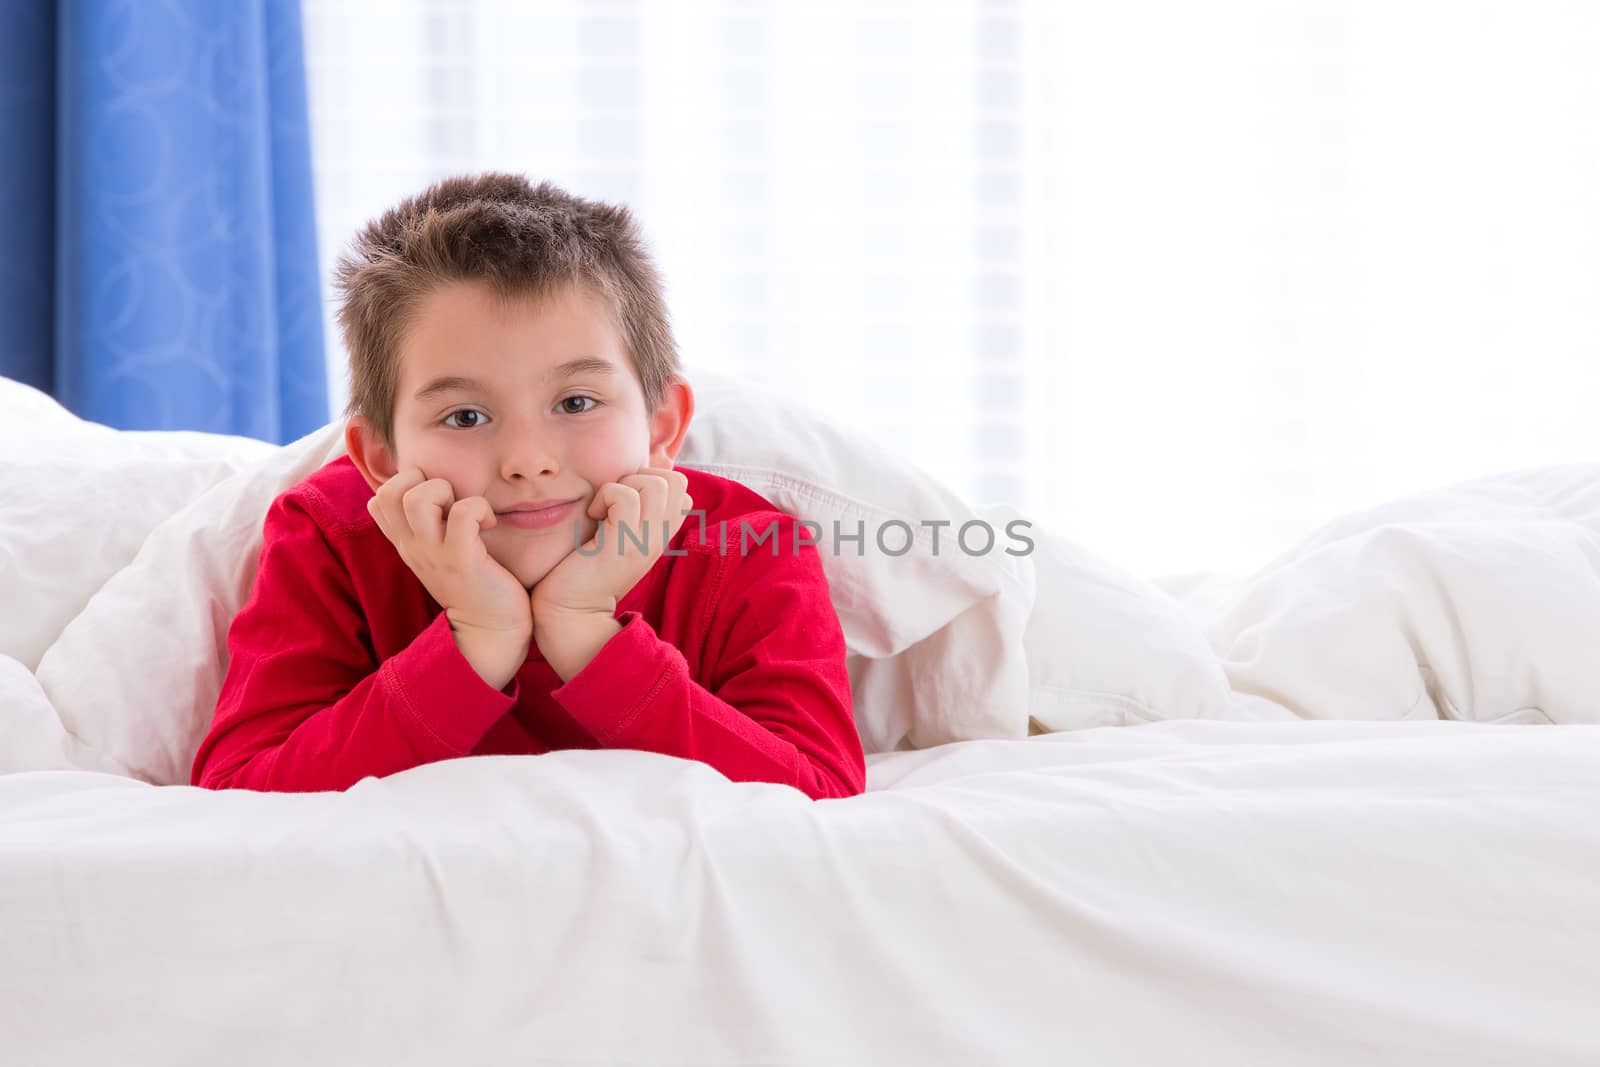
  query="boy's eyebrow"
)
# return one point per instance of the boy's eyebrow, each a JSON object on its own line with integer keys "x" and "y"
{"x": 583, "y": 365}
{"x": 447, "y": 384}
{"x": 451, "y": 383}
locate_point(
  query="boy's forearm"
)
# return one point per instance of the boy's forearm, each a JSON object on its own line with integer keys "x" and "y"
{"x": 495, "y": 655}
{"x": 292, "y": 733}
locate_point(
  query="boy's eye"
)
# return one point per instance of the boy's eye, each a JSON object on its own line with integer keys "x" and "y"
{"x": 463, "y": 411}
{"x": 578, "y": 399}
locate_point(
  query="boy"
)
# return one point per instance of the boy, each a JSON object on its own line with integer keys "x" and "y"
{"x": 488, "y": 570}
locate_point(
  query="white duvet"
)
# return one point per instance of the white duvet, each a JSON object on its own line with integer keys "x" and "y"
{"x": 1219, "y": 857}
{"x": 1179, "y": 893}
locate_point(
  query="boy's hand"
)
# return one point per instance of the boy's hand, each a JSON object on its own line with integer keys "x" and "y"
{"x": 652, "y": 506}
{"x": 438, "y": 538}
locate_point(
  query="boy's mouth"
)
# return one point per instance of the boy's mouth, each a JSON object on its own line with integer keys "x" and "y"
{"x": 536, "y": 515}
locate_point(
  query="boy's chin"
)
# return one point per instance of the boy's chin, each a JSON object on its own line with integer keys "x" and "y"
{"x": 535, "y": 563}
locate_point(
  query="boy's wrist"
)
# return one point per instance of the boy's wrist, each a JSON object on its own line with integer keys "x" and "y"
{"x": 496, "y": 655}
{"x": 568, "y": 640}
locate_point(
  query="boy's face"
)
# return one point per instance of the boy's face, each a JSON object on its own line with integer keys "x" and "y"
{"x": 556, "y": 412}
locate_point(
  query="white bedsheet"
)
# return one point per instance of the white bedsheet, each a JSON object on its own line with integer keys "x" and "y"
{"x": 1179, "y": 893}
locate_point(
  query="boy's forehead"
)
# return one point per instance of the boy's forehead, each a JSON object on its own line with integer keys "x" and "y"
{"x": 466, "y": 337}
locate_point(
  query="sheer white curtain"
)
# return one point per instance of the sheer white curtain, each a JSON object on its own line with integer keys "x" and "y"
{"x": 1178, "y": 280}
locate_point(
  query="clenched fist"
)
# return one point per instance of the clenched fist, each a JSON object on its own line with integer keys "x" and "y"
{"x": 439, "y": 538}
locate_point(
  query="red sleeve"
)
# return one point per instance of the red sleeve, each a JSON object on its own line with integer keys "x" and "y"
{"x": 304, "y": 704}
{"x": 776, "y": 706}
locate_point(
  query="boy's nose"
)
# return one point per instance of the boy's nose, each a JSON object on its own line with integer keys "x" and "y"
{"x": 528, "y": 456}
{"x": 528, "y": 465}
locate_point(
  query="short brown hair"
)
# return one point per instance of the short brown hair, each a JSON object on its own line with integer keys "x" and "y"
{"x": 525, "y": 241}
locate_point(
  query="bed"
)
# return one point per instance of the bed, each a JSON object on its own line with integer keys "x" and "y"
{"x": 1344, "y": 808}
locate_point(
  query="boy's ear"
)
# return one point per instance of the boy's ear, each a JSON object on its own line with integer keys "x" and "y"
{"x": 375, "y": 462}
{"x": 669, "y": 423}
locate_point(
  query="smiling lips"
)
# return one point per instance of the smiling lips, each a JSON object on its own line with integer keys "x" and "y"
{"x": 535, "y": 516}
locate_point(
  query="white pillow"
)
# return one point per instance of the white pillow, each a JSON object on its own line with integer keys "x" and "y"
{"x": 1479, "y": 601}
{"x": 76, "y": 501}
{"x": 136, "y": 675}
{"x": 1106, "y": 648}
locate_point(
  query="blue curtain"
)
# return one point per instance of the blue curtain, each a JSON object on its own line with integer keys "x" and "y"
{"x": 158, "y": 263}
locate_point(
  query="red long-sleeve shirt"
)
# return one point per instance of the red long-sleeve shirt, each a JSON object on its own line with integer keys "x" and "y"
{"x": 342, "y": 666}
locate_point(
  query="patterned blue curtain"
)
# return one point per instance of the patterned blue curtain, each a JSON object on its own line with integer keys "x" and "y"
{"x": 158, "y": 264}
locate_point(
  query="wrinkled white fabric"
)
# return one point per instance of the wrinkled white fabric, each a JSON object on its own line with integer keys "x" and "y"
{"x": 1319, "y": 893}
{"x": 76, "y": 501}
{"x": 1480, "y": 601}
